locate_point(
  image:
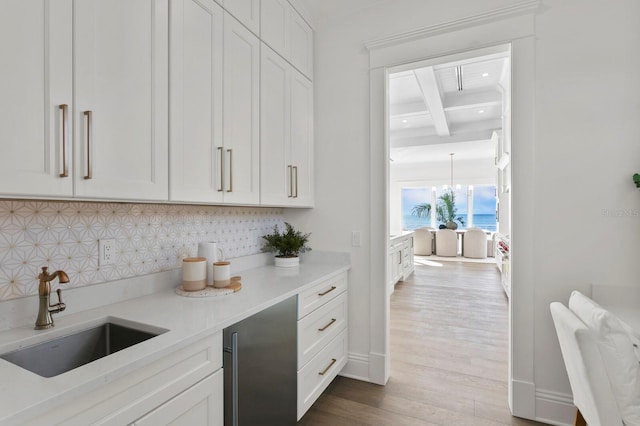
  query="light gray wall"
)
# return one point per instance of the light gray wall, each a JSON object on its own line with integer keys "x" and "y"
{"x": 587, "y": 146}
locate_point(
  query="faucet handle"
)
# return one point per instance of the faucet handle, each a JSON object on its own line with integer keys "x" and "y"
{"x": 60, "y": 306}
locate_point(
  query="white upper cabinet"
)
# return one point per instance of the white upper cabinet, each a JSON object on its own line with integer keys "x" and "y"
{"x": 302, "y": 139}
{"x": 275, "y": 16}
{"x": 245, "y": 11}
{"x": 241, "y": 151}
{"x": 276, "y": 170}
{"x": 301, "y": 45}
{"x": 286, "y": 32}
{"x": 121, "y": 99}
{"x": 195, "y": 110}
{"x": 286, "y": 134}
{"x": 36, "y": 61}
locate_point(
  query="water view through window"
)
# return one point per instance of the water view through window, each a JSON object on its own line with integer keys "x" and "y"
{"x": 474, "y": 206}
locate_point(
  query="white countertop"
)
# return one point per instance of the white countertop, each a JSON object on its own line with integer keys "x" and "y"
{"x": 24, "y": 394}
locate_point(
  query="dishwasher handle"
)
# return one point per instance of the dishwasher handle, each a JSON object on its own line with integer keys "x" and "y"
{"x": 233, "y": 350}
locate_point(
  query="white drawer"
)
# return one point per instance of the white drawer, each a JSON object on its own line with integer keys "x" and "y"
{"x": 129, "y": 397}
{"x": 314, "y": 377}
{"x": 320, "y": 326}
{"x": 311, "y": 299}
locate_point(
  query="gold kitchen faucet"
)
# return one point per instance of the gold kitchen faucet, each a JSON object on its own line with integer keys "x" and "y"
{"x": 45, "y": 320}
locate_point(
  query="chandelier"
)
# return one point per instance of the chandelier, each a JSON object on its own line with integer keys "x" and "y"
{"x": 451, "y": 187}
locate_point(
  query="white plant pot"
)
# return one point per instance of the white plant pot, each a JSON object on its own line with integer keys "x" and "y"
{"x": 287, "y": 262}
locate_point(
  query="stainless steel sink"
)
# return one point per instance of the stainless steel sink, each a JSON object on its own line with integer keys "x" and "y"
{"x": 57, "y": 356}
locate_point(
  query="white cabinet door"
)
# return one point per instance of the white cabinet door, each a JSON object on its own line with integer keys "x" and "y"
{"x": 286, "y": 32}
{"x": 275, "y": 18}
{"x": 201, "y": 404}
{"x": 35, "y": 59}
{"x": 301, "y": 45}
{"x": 121, "y": 99}
{"x": 195, "y": 110}
{"x": 286, "y": 133}
{"x": 247, "y": 12}
{"x": 241, "y": 176}
{"x": 276, "y": 170}
{"x": 302, "y": 139}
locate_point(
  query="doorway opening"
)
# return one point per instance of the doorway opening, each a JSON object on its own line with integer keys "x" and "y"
{"x": 448, "y": 124}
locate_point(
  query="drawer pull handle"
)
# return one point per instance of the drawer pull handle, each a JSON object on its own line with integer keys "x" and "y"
{"x": 328, "y": 325}
{"x": 323, "y": 372}
{"x": 333, "y": 287}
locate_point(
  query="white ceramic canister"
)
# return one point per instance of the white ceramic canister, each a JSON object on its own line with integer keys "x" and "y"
{"x": 213, "y": 253}
{"x": 221, "y": 274}
{"x": 194, "y": 273}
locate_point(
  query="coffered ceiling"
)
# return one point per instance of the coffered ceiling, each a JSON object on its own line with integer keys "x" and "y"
{"x": 458, "y": 103}
{"x": 429, "y": 116}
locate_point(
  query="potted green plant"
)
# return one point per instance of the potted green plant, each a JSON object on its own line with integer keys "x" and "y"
{"x": 447, "y": 211}
{"x": 287, "y": 246}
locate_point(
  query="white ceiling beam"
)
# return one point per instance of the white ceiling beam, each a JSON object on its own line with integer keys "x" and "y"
{"x": 428, "y": 83}
{"x": 466, "y": 99}
{"x": 408, "y": 108}
{"x": 480, "y": 135}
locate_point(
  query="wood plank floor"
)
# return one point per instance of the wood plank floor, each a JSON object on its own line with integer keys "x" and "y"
{"x": 449, "y": 348}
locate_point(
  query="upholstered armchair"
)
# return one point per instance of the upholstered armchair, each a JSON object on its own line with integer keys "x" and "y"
{"x": 423, "y": 241}
{"x": 474, "y": 244}
{"x": 446, "y": 243}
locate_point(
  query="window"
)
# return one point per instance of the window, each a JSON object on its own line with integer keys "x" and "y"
{"x": 475, "y": 205}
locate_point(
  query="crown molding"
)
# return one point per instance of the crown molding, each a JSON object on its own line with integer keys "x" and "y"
{"x": 520, "y": 8}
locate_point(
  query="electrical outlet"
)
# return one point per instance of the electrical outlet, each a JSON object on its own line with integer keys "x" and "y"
{"x": 106, "y": 252}
{"x": 355, "y": 238}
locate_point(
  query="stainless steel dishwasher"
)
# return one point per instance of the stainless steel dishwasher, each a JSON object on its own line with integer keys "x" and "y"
{"x": 260, "y": 367}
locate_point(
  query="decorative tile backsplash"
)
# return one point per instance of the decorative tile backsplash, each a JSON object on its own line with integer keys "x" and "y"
{"x": 149, "y": 238}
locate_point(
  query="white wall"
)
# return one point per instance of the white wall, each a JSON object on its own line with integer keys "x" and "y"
{"x": 586, "y": 210}
{"x": 587, "y": 149}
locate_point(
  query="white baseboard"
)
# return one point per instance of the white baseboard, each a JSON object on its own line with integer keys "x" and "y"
{"x": 554, "y": 408}
{"x": 357, "y": 367}
{"x": 524, "y": 399}
{"x": 379, "y": 368}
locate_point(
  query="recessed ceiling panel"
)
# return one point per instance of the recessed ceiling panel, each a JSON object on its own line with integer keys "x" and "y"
{"x": 472, "y": 115}
{"x": 403, "y": 88}
{"x": 477, "y": 75}
{"x": 411, "y": 121}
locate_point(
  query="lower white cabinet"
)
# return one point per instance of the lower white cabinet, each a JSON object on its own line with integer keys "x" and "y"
{"x": 322, "y": 338}
{"x": 201, "y": 404}
{"x": 175, "y": 386}
{"x": 400, "y": 259}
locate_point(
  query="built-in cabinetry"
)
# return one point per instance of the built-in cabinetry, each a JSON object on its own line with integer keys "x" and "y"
{"x": 322, "y": 338}
{"x": 400, "y": 259}
{"x": 184, "y": 388}
{"x": 286, "y": 133}
{"x": 502, "y": 262}
{"x": 245, "y": 11}
{"x": 214, "y": 80}
{"x": 85, "y": 99}
{"x": 286, "y": 32}
{"x": 241, "y": 150}
{"x": 195, "y": 110}
{"x": 36, "y": 91}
